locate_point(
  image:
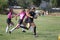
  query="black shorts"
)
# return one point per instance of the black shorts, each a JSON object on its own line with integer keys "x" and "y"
{"x": 8, "y": 21}
{"x": 29, "y": 20}
{"x": 20, "y": 21}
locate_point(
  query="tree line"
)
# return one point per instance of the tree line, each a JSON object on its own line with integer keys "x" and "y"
{"x": 24, "y": 3}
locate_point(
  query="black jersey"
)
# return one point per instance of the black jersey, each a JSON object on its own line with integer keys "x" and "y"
{"x": 30, "y": 20}
{"x": 32, "y": 13}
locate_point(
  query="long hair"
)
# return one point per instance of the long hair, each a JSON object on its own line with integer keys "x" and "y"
{"x": 10, "y": 10}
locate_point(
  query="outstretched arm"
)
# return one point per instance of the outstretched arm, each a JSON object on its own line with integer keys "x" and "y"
{"x": 16, "y": 16}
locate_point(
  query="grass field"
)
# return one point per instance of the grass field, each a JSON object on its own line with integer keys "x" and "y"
{"x": 48, "y": 28}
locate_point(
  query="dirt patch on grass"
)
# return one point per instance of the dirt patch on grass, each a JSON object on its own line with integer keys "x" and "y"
{"x": 54, "y": 14}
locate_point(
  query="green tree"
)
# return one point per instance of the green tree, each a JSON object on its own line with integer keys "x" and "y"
{"x": 3, "y": 5}
{"x": 46, "y": 0}
{"x": 36, "y": 2}
{"x": 54, "y": 3}
{"x": 23, "y": 3}
{"x": 12, "y": 3}
{"x": 58, "y": 3}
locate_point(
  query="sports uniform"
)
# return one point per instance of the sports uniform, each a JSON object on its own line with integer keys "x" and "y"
{"x": 9, "y": 17}
{"x": 28, "y": 19}
{"x": 21, "y": 15}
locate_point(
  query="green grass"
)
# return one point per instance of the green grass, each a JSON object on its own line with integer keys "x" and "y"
{"x": 48, "y": 28}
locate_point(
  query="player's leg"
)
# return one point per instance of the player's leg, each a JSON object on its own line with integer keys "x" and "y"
{"x": 23, "y": 30}
{"x": 34, "y": 28}
{"x": 7, "y": 28}
{"x": 8, "y": 23}
{"x": 31, "y": 28}
{"x": 17, "y": 26}
{"x": 26, "y": 24}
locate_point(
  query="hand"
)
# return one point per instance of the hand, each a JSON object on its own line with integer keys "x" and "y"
{"x": 31, "y": 17}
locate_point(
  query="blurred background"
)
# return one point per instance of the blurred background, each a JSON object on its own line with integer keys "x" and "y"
{"x": 49, "y": 5}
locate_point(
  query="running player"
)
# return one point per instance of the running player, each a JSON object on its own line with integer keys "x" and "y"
{"x": 9, "y": 22}
{"x": 33, "y": 15}
{"x": 26, "y": 23}
{"x": 30, "y": 20}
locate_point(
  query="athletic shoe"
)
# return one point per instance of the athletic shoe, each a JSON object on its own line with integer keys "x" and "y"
{"x": 23, "y": 31}
{"x": 35, "y": 35}
{"x": 9, "y": 32}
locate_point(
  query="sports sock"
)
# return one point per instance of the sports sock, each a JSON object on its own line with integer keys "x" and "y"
{"x": 35, "y": 30}
{"x": 7, "y": 29}
{"x": 13, "y": 29}
{"x": 24, "y": 27}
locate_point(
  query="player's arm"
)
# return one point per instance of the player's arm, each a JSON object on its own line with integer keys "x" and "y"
{"x": 28, "y": 15}
{"x": 13, "y": 15}
{"x": 16, "y": 16}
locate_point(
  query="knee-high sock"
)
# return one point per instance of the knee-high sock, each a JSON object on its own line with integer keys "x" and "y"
{"x": 35, "y": 30}
{"x": 24, "y": 27}
{"x": 7, "y": 29}
{"x": 13, "y": 29}
{"x": 20, "y": 26}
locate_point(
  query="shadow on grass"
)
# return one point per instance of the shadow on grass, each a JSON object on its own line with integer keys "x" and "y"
{"x": 1, "y": 34}
{"x": 42, "y": 34}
